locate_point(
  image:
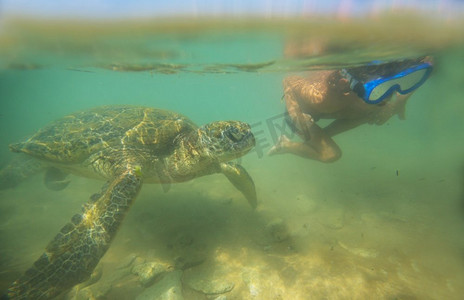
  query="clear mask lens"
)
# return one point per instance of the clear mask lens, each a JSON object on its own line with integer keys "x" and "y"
{"x": 401, "y": 85}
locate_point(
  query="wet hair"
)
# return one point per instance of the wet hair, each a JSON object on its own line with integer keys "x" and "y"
{"x": 371, "y": 71}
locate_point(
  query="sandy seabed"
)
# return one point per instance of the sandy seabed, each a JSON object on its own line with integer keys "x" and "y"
{"x": 318, "y": 233}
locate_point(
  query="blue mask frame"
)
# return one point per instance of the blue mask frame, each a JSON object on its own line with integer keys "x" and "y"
{"x": 404, "y": 82}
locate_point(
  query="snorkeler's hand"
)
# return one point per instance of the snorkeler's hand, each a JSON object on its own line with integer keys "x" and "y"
{"x": 395, "y": 106}
{"x": 400, "y": 104}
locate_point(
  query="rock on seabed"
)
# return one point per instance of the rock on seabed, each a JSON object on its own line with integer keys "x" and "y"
{"x": 168, "y": 288}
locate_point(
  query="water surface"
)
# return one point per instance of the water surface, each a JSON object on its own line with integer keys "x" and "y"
{"x": 385, "y": 221}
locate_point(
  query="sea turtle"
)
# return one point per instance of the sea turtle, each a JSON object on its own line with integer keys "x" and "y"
{"x": 127, "y": 146}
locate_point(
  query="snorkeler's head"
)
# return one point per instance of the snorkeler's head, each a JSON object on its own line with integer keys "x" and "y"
{"x": 376, "y": 82}
{"x": 382, "y": 69}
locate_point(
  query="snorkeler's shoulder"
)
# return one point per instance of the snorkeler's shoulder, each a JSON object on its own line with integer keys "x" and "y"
{"x": 311, "y": 86}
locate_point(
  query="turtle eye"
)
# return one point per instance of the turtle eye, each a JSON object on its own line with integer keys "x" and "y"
{"x": 233, "y": 135}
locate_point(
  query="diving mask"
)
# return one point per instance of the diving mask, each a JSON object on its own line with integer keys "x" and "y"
{"x": 376, "y": 90}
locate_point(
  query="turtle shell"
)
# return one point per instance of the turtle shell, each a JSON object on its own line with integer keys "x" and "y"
{"x": 74, "y": 138}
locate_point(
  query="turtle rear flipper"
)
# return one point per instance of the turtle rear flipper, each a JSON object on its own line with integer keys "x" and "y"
{"x": 55, "y": 179}
{"x": 75, "y": 251}
{"x": 18, "y": 170}
{"x": 240, "y": 178}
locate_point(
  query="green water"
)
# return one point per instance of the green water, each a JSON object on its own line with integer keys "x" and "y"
{"x": 383, "y": 222}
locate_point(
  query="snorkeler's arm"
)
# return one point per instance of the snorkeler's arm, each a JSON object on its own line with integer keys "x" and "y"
{"x": 301, "y": 93}
{"x": 341, "y": 125}
{"x": 302, "y": 121}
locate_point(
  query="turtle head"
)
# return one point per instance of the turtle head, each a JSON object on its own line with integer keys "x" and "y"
{"x": 227, "y": 140}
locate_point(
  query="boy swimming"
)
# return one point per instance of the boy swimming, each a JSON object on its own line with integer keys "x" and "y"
{"x": 369, "y": 94}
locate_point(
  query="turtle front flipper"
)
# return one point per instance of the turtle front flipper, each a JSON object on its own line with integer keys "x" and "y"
{"x": 240, "y": 178}
{"x": 75, "y": 251}
{"x": 55, "y": 179}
